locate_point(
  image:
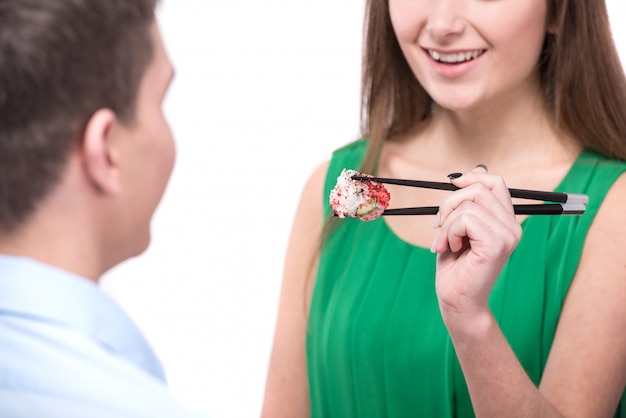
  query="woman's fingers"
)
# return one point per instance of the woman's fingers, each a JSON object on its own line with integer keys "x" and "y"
{"x": 481, "y": 196}
{"x": 479, "y": 175}
{"x": 478, "y": 193}
{"x": 485, "y": 190}
{"x": 470, "y": 225}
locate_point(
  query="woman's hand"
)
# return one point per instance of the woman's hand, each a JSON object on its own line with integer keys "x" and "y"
{"x": 478, "y": 233}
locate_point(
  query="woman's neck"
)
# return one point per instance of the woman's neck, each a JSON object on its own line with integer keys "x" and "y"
{"x": 512, "y": 137}
{"x": 507, "y": 132}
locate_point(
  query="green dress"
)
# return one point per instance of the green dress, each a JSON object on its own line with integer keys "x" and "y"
{"x": 376, "y": 344}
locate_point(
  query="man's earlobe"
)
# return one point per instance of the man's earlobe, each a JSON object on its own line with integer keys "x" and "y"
{"x": 99, "y": 153}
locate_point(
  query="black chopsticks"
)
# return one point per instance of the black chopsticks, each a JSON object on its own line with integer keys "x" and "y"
{"x": 565, "y": 203}
{"x": 540, "y": 209}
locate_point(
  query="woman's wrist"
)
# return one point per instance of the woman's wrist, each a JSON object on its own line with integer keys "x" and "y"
{"x": 474, "y": 322}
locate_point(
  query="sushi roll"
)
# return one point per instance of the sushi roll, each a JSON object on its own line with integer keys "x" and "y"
{"x": 362, "y": 199}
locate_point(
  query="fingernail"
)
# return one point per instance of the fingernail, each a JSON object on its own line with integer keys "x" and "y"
{"x": 437, "y": 221}
{"x": 433, "y": 247}
{"x": 453, "y": 176}
{"x": 483, "y": 166}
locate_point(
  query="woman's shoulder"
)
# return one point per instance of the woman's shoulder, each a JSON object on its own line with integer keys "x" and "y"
{"x": 594, "y": 174}
{"x": 606, "y": 188}
{"x": 612, "y": 206}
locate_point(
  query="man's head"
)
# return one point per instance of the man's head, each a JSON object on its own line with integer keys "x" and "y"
{"x": 61, "y": 61}
{"x": 83, "y": 138}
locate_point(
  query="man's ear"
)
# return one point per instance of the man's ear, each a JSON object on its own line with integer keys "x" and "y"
{"x": 99, "y": 152}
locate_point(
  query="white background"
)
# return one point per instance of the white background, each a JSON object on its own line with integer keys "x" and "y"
{"x": 264, "y": 91}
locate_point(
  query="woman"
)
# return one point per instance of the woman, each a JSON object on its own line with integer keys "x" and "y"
{"x": 512, "y": 316}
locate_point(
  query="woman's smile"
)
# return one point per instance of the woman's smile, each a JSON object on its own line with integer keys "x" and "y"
{"x": 455, "y": 57}
{"x": 451, "y": 64}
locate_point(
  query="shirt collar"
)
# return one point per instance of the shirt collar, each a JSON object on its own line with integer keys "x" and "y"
{"x": 33, "y": 289}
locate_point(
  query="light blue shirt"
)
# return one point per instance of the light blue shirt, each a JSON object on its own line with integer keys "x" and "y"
{"x": 68, "y": 350}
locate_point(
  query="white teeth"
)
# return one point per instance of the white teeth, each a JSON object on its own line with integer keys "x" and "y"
{"x": 455, "y": 58}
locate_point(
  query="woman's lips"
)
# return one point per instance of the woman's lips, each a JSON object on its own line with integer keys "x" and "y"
{"x": 454, "y": 63}
{"x": 455, "y": 56}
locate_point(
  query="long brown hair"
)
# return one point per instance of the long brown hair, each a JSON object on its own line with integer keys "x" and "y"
{"x": 582, "y": 79}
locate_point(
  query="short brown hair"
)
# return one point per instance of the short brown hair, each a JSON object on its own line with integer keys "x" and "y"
{"x": 583, "y": 81}
{"x": 61, "y": 61}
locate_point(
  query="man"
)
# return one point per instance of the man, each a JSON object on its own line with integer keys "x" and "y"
{"x": 85, "y": 155}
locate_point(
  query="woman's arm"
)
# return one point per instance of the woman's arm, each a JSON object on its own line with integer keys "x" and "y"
{"x": 586, "y": 370}
{"x": 287, "y": 388}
